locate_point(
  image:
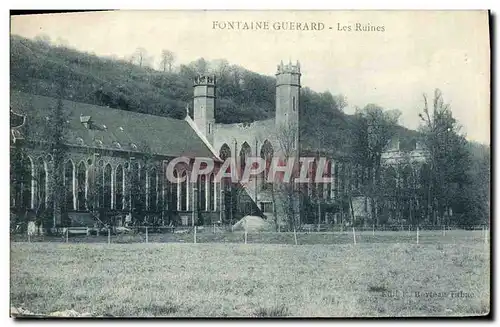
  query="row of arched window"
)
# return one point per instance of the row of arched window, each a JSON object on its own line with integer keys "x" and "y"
{"x": 102, "y": 186}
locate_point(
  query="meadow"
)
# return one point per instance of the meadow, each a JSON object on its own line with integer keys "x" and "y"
{"x": 207, "y": 279}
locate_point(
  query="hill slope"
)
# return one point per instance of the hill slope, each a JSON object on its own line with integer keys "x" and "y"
{"x": 242, "y": 96}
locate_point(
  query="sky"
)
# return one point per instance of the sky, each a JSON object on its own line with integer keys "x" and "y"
{"x": 411, "y": 53}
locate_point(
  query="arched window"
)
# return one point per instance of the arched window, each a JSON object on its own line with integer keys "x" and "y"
{"x": 166, "y": 185}
{"x": 119, "y": 194}
{"x": 225, "y": 152}
{"x": 69, "y": 170}
{"x": 152, "y": 190}
{"x": 202, "y": 192}
{"x": 183, "y": 192}
{"x": 266, "y": 153}
{"x": 213, "y": 193}
{"x": 245, "y": 152}
{"x": 81, "y": 182}
{"x": 174, "y": 193}
{"x": 107, "y": 186}
{"x": 41, "y": 180}
{"x": 99, "y": 178}
{"x": 134, "y": 186}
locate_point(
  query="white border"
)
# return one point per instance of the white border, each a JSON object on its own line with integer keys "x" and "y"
{"x": 188, "y": 4}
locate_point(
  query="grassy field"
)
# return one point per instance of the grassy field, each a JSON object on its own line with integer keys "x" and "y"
{"x": 208, "y": 236}
{"x": 210, "y": 279}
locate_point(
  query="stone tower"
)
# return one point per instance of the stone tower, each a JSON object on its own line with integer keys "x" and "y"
{"x": 287, "y": 98}
{"x": 204, "y": 105}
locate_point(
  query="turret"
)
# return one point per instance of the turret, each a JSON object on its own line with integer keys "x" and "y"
{"x": 204, "y": 105}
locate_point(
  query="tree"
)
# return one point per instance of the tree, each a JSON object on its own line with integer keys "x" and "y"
{"x": 200, "y": 66}
{"x": 284, "y": 193}
{"x": 57, "y": 146}
{"x": 341, "y": 102}
{"x": 447, "y": 155}
{"x": 374, "y": 129}
{"x": 140, "y": 57}
{"x": 167, "y": 60}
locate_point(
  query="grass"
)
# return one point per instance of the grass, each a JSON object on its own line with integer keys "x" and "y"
{"x": 253, "y": 280}
{"x": 303, "y": 238}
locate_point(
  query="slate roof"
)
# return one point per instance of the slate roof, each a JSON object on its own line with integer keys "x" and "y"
{"x": 114, "y": 129}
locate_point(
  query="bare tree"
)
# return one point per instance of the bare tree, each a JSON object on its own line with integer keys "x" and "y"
{"x": 341, "y": 102}
{"x": 167, "y": 60}
{"x": 141, "y": 57}
{"x": 284, "y": 193}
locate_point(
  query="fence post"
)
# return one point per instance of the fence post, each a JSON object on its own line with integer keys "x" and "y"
{"x": 417, "y": 234}
{"x": 444, "y": 231}
{"x": 29, "y": 237}
{"x": 373, "y": 230}
{"x": 67, "y": 234}
{"x": 88, "y": 232}
{"x": 246, "y": 236}
{"x": 147, "y": 239}
{"x": 295, "y": 235}
{"x": 195, "y": 234}
{"x": 109, "y": 235}
{"x": 354, "y": 235}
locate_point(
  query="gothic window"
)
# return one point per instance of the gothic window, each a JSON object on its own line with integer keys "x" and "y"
{"x": 100, "y": 184}
{"x": 225, "y": 152}
{"x": 134, "y": 186}
{"x": 174, "y": 192}
{"x": 245, "y": 152}
{"x": 266, "y": 153}
{"x": 294, "y": 103}
{"x": 81, "y": 182}
{"x": 183, "y": 192}
{"x": 119, "y": 194}
{"x": 107, "y": 186}
{"x": 202, "y": 195}
{"x": 213, "y": 196}
{"x": 69, "y": 170}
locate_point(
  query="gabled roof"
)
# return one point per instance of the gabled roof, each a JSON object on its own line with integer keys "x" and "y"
{"x": 113, "y": 129}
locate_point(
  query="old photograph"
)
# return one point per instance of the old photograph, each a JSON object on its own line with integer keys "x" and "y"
{"x": 255, "y": 164}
